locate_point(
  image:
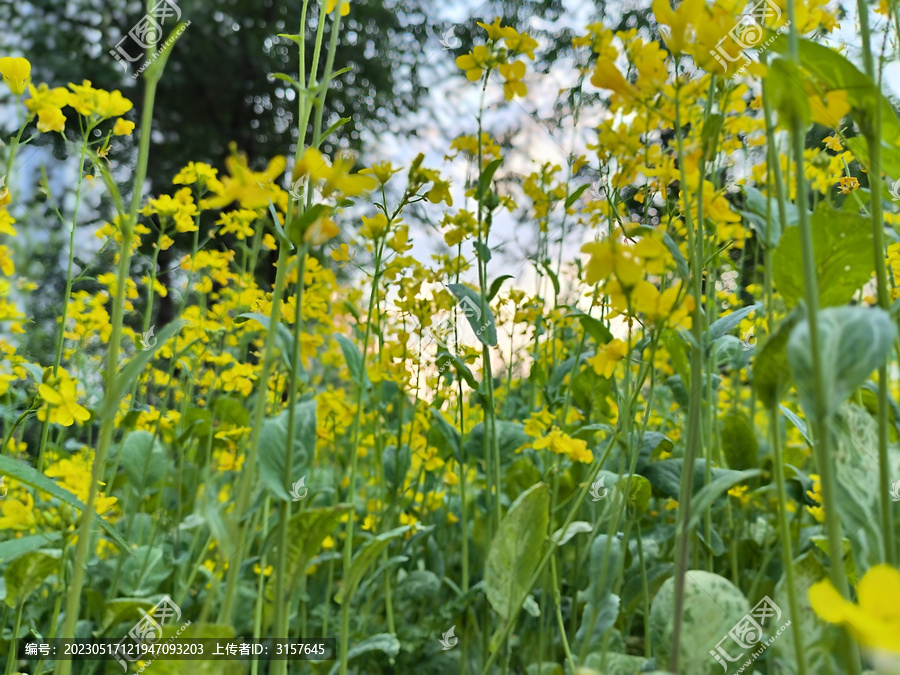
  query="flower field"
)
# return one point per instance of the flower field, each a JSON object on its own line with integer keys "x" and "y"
{"x": 666, "y": 439}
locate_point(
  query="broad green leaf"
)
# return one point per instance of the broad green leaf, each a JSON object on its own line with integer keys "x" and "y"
{"x": 516, "y": 550}
{"x": 834, "y": 72}
{"x": 124, "y": 609}
{"x": 510, "y": 437}
{"x": 364, "y": 559}
{"x": 770, "y": 369}
{"x": 738, "y": 441}
{"x": 842, "y": 242}
{"x": 307, "y": 530}
{"x": 12, "y": 549}
{"x": 853, "y": 342}
{"x": 665, "y": 476}
{"x": 231, "y": 411}
{"x": 382, "y": 642}
{"x": 482, "y": 322}
{"x": 274, "y": 446}
{"x": 712, "y": 606}
{"x": 30, "y": 477}
{"x": 144, "y": 572}
{"x": 26, "y": 573}
{"x": 781, "y": 81}
{"x": 856, "y": 464}
{"x": 193, "y": 665}
{"x": 143, "y": 460}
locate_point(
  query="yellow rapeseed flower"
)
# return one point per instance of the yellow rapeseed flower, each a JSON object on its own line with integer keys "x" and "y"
{"x": 875, "y": 621}
{"x": 16, "y": 73}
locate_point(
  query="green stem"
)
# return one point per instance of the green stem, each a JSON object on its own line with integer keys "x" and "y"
{"x": 873, "y": 140}
{"x": 822, "y": 432}
{"x": 693, "y": 439}
{"x": 112, "y": 393}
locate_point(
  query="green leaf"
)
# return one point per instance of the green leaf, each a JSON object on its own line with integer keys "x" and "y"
{"x": 729, "y": 322}
{"x": 395, "y": 465}
{"x": 709, "y": 137}
{"x": 842, "y": 242}
{"x": 484, "y": 181}
{"x": 354, "y": 359}
{"x": 284, "y": 77}
{"x": 382, "y": 642}
{"x": 510, "y": 437}
{"x": 757, "y": 206}
{"x": 639, "y": 492}
{"x": 572, "y": 198}
{"x": 296, "y": 229}
{"x": 665, "y": 476}
{"x": 835, "y": 73}
{"x": 516, "y": 550}
{"x": 470, "y": 303}
{"x": 143, "y": 460}
{"x": 560, "y": 537}
{"x": 853, "y": 341}
{"x": 677, "y": 255}
{"x": 712, "y": 605}
{"x": 144, "y": 572}
{"x": 676, "y": 347}
{"x": 26, "y": 574}
{"x": 284, "y": 338}
{"x": 12, "y": 549}
{"x": 274, "y": 446}
{"x": 782, "y": 80}
{"x": 307, "y": 530}
{"x": 553, "y": 278}
{"x": 602, "y": 606}
{"x": 337, "y": 125}
{"x": 595, "y": 328}
{"x": 770, "y": 369}
{"x": 444, "y": 357}
{"x": 134, "y": 367}
{"x": 449, "y": 432}
{"x": 496, "y": 284}
{"x": 715, "y": 489}
{"x": 738, "y": 440}
{"x": 30, "y": 477}
{"x": 797, "y": 422}
{"x": 364, "y": 559}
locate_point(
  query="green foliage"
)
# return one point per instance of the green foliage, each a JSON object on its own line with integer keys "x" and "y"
{"x": 842, "y": 242}
{"x": 516, "y": 549}
{"x": 853, "y": 342}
